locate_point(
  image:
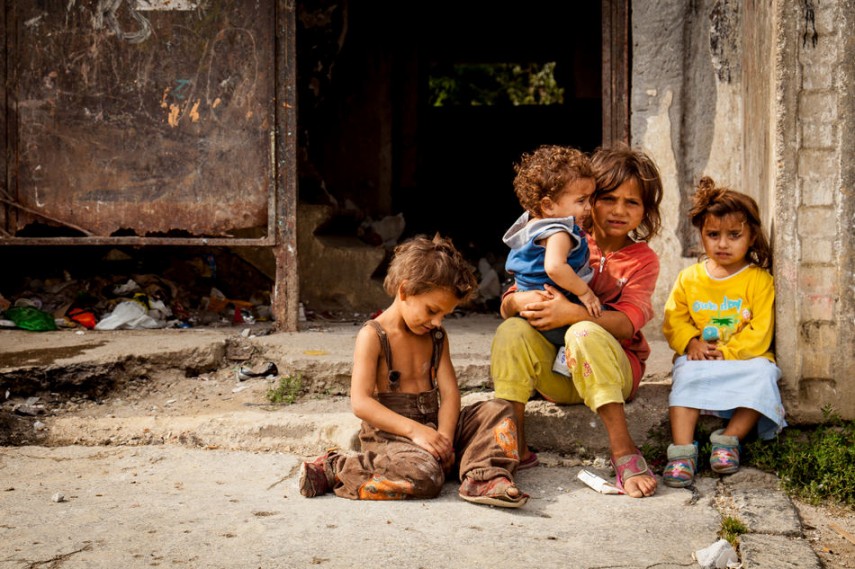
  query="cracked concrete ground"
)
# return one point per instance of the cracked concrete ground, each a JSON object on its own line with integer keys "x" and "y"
{"x": 144, "y": 449}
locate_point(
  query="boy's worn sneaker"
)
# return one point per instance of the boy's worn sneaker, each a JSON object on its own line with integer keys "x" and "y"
{"x": 725, "y": 452}
{"x": 682, "y": 465}
{"x": 314, "y": 479}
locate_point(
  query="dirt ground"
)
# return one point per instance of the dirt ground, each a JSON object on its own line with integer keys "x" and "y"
{"x": 830, "y": 531}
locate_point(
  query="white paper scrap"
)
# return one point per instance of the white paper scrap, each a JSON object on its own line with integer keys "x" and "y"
{"x": 597, "y": 483}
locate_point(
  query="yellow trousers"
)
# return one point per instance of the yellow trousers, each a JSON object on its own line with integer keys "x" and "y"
{"x": 521, "y": 362}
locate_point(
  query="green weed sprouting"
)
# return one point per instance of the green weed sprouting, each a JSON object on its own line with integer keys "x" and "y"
{"x": 816, "y": 463}
{"x": 731, "y": 529}
{"x": 288, "y": 390}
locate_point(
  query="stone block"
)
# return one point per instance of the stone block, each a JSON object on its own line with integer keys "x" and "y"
{"x": 816, "y": 190}
{"x": 816, "y": 222}
{"x": 766, "y": 512}
{"x": 826, "y": 52}
{"x": 818, "y": 106}
{"x": 827, "y": 20}
{"x": 776, "y": 552}
{"x": 815, "y": 77}
{"x": 818, "y": 344}
{"x": 818, "y": 281}
{"x": 571, "y": 428}
{"x": 818, "y": 135}
{"x": 337, "y": 271}
{"x": 818, "y": 307}
{"x": 820, "y": 251}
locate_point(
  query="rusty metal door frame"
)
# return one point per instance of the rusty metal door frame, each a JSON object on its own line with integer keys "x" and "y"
{"x": 616, "y": 62}
{"x": 286, "y": 288}
{"x": 282, "y": 197}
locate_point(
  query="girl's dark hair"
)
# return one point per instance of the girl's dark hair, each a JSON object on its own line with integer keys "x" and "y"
{"x": 424, "y": 264}
{"x": 545, "y": 172}
{"x": 719, "y": 202}
{"x": 615, "y": 165}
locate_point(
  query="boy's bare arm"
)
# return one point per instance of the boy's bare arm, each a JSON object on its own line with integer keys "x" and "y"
{"x": 449, "y": 393}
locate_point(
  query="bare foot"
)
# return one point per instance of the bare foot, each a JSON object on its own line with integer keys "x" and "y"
{"x": 499, "y": 491}
{"x": 633, "y": 475}
{"x": 642, "y": 485}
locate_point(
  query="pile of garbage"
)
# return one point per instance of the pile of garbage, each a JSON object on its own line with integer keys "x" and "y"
{"x": 130, "y": 302}
{"x": 150, "y": 303}
{"x": 125, "y": 292}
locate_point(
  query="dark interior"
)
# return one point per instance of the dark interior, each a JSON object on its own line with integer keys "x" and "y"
{"x": 370, "y": 142}
{"x": 369, "y": 135}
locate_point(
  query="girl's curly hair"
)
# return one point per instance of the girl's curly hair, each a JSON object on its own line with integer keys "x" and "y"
{"x": 716, "y": 201}
{"x": 422, "y": 265}
{"x": 545, "y": 172}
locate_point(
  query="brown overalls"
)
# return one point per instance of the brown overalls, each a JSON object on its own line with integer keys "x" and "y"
{"x": 391, "y": 467}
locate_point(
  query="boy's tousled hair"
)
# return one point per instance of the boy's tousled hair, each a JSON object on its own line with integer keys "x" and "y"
{"x": 545, "y": 172}
{"x": 422, "y": 265}
{"x": 619, "y": 163}
{"x": 720, "y": 202}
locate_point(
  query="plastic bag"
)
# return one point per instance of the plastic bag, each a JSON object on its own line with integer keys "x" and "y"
{"x": 31, "y": 318}
{"x": 128, "y": 315}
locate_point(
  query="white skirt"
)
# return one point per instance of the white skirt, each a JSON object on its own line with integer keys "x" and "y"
{"x": 719, "y": 387}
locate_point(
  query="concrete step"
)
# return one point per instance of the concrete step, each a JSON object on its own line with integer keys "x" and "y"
{"x": 204, "y": 360}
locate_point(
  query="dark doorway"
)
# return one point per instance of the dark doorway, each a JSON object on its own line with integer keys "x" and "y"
{"x": 372, "y": 135}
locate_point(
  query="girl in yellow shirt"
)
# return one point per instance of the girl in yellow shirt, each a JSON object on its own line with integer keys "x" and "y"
{"x": 719, "y": 319}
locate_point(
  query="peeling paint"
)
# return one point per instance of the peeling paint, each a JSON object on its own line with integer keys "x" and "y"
{"x": 173, "y": 115}
{"x": 74, "y": 74}
{"x": 659, "y": 144}
{"x": 724, "y": 163}
{"x": 724, "y": 39}
{"x": 164, "y": 5}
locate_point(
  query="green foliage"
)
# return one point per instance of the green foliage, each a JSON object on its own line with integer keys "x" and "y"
{"x": 287, "y": 391}
{"x": 496, "y": 84}
{"x": 817, "y": 464}
{"x": 731, "y": 529}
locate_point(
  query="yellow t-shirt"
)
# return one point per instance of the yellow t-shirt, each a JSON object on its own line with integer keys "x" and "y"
{"x": 737, "y": 311}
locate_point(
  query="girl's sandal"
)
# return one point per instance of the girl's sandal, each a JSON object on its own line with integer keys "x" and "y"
{"x": 491, "y": 492}
{"x": 628, "y": 466}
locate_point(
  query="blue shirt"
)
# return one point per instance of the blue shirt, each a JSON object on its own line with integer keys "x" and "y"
{"x": 526, "y": 259}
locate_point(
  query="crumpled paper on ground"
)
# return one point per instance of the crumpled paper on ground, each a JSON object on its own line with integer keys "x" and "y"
{"x": 719, "y": 555}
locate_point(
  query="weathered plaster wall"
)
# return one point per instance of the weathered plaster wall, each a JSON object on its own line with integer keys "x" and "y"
{"x": 656, "y": 111}
{"x": 687, "y": 113}
{"x": 814, "y": 207}
{"x": 758, "y": 95}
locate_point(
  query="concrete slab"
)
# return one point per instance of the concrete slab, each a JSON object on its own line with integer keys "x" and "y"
{"x": 172, "y": 506}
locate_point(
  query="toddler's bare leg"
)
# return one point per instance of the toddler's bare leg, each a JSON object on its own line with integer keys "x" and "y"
{"x": 683, "y": 423}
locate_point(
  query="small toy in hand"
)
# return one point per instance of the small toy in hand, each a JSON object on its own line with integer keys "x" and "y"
{"x": 710, "y": 334}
